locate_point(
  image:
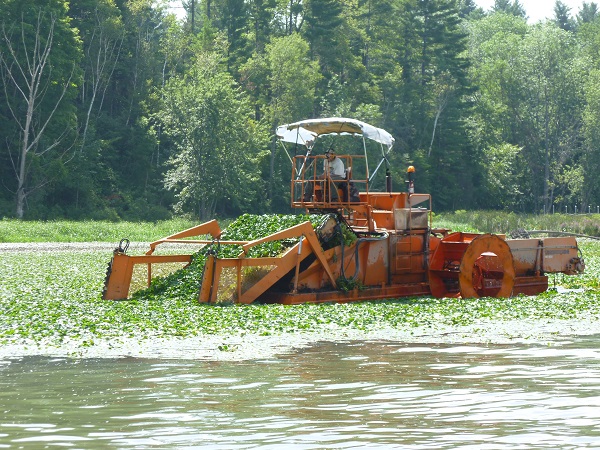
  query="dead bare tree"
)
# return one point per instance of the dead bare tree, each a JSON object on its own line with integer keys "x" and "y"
{"x": 443, "y": 93}
{"x": 27, "y": 77}
{"x": 102, "y": 54}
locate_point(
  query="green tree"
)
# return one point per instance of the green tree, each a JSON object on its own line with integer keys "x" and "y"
{"x": 493, "y": 41}
{"x": 432, "y": 102}
{"x": 588, "y": 13}
{"x": 591, "y": 119}
{"x": 292, "y": 79}
{"x": 501, "y": 176}
{"x": 506, "y": 6}
{"x": 377, "y": 42}
{"x": 562, "y": 16}
{"x": 287, "y": 73}
{"x": 261, "y": 14}
{"x": 129, "y": 165}
{"x": 552, "y": 81}
{"x": 235, "y": 22}
{"x": 531, "y": 84}
{"x": 589, "y": 37}
{"x": 101, "y": 31}
{"x": 217, "y": 143}
{"x": 380, "y": 45}
{"x": 288, "y": 17}
{"x": 322, "y": 30}
{"x": 469, "y": 8}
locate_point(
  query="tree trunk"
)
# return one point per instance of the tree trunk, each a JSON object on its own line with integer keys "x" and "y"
{"x": 20, "y": 201}
{"x": 22, "y": 173}
{"x": 272, "y": 171}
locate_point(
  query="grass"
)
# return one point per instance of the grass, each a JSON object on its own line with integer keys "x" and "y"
{"x": 52, "y": 297}
{"x": 505, "y": 222}
{"x": 12, "y": 230}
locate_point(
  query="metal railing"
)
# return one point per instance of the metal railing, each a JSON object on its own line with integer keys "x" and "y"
{"x": 311, "y": 188}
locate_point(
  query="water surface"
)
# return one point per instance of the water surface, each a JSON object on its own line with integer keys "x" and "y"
{"x": 339, "y": 396}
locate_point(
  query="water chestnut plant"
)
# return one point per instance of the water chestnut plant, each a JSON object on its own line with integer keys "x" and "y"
{"x": 53, "y": 298}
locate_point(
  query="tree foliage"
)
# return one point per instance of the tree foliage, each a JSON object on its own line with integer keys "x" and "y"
{"x": 509, "y": 7}
{"x": 117, "y": 109}
{"x": 562, "y": 16}
{"x": 217, "y": 144}
{"x": 588, "y": 13}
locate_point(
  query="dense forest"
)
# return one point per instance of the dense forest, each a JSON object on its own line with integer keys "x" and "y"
{"x": 117, "y": 109}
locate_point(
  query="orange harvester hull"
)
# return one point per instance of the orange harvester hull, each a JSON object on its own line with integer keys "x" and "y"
{"x": 396, "y": 254}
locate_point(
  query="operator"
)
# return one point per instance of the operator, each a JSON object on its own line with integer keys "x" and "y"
{"x": 333, "y": 168}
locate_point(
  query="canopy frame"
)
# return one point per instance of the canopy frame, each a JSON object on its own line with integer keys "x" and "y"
{"x": 306, "y": 133}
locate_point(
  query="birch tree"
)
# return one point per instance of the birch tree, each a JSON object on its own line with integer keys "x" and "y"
{"x": 102, "y": 31}
{"x": 39, "y": 62}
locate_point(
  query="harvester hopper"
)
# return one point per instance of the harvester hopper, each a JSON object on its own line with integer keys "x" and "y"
{"x": 371, "y": 242}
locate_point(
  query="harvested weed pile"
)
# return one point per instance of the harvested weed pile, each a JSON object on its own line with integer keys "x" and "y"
{"x": 185, "y": 283}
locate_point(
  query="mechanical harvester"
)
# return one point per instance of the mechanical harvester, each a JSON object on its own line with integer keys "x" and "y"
{"x": 371, "y": 243}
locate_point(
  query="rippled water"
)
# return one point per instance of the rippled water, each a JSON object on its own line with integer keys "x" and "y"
{"x": 338, "y": 396}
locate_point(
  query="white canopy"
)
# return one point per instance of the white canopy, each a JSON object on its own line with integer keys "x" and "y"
{"x": 306, "y": 131}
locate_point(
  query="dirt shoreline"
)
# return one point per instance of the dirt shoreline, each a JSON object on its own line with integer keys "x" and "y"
{"x": 256, "y": 347}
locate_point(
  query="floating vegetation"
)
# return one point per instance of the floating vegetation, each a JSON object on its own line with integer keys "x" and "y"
{"x": 53, "y": 298}
{"x": 185, "y": 283}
